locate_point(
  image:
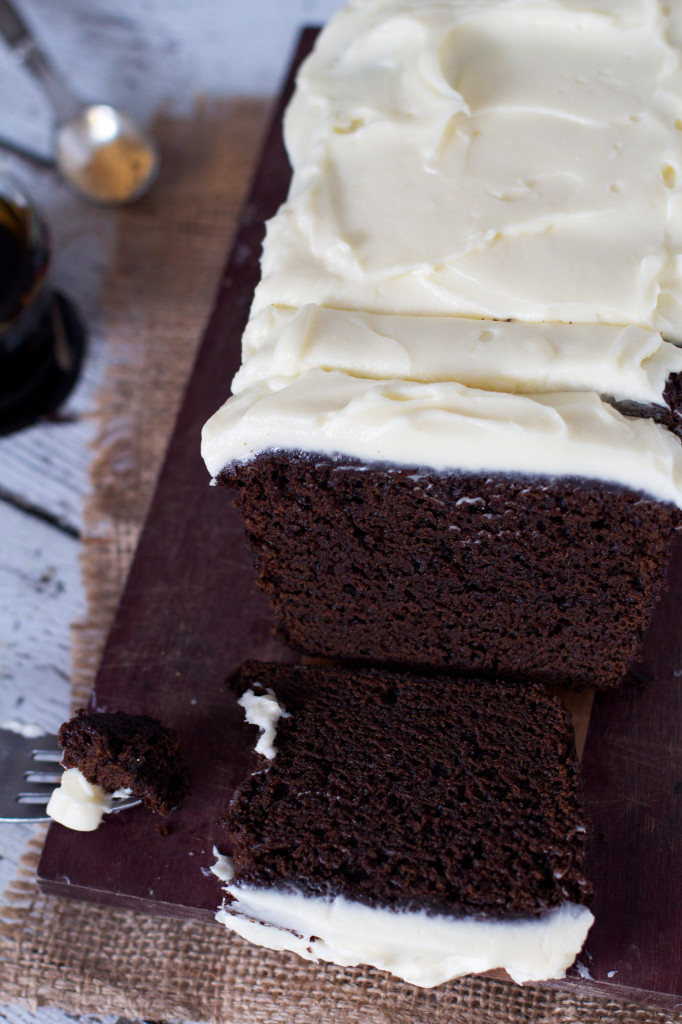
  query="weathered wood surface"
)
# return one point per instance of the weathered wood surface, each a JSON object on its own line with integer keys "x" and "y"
{"x": 44, "y": 476}
{"x": 632, "y": 767}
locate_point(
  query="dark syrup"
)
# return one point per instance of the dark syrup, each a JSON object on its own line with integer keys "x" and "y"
{"x": 24, "y": 258}
{"x": 41, "y": 337}
{"x": 11, "y": 263}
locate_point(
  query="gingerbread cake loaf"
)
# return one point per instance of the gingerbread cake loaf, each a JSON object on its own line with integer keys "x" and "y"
{"x": 455, "y": 435}
{"x": 427, "y": 830}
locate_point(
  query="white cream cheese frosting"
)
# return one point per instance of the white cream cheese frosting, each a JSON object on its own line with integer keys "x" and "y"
{"x": 422, "y": 949}
{"x": 496, "y": 159}
{"x": 265, "y": 711}
{"x": 77, "y": 804}
{"x": 445, "y": 425}
{"x": 486, "y": 203}
{"x": 223, "y": 868}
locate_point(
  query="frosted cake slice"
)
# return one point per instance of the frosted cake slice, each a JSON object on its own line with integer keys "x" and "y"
{"x": 427, "y": 830}
{"x": 479, "y": 496}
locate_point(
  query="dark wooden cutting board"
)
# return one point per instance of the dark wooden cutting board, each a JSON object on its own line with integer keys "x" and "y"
{"x": 190, "y": 614}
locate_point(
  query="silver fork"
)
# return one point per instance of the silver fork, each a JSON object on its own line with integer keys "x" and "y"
{"x": 29, "y": 772}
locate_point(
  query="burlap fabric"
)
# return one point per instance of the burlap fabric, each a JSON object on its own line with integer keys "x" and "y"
{"x": 90, "y": 959}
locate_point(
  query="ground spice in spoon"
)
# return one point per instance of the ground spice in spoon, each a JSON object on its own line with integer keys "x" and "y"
{"x": 116, "y": 170}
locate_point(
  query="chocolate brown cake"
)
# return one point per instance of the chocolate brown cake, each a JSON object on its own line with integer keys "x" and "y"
{"x": 409, "y": 796}
{"x": 549, "y": 579}
{"x": 116, "y": 750}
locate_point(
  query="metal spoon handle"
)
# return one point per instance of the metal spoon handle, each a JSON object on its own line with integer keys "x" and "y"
{"x": 12, "y": 27}
{"x": 27, "y": 51}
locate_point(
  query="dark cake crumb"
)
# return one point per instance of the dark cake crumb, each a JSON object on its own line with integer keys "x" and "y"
{"x": 552, "y": 579}
{"x": 409, "y": 793}
{"x": 116, "y": 750}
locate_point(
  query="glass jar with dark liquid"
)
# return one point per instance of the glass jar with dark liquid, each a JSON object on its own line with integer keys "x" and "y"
{"x": 41, "y": 339}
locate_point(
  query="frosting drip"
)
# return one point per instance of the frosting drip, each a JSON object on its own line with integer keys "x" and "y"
{"x": 264, "y": 711}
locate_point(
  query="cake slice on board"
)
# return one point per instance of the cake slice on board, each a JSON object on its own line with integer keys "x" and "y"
{"x": 430, "y": 830}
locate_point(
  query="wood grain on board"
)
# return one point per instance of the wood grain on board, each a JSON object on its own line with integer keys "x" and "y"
{"x": 190, "y": 614}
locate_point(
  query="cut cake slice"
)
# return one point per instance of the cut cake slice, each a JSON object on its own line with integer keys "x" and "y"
{"x": 430, "y": 830}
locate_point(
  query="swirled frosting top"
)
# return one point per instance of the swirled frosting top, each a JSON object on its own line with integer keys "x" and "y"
{"x": 495, "y": 158}
{"x": 481, "y": 243}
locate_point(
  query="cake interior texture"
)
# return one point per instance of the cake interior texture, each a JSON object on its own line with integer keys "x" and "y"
{"x": 116, "y": 750}
{"x": 410, "y": 793}
{"x": 407, "y": 794}
{"x": 553, "y": 579}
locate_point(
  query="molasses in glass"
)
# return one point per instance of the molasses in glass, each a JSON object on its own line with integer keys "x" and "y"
{"x": 41, "y": 337}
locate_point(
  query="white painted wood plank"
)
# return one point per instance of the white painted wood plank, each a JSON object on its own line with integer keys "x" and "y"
{"x": 160, "y": 53}
{"x": 40, "y": 595}
{"x": 47, "y": 1015}
{"x": 47, "y": 465}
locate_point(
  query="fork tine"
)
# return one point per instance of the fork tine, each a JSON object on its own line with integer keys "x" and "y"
{"x": 48, "y": 756}
{"x": 35, "y": 796}
{"x": 43, "y": 778}
{"x": 28, "y": 806}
